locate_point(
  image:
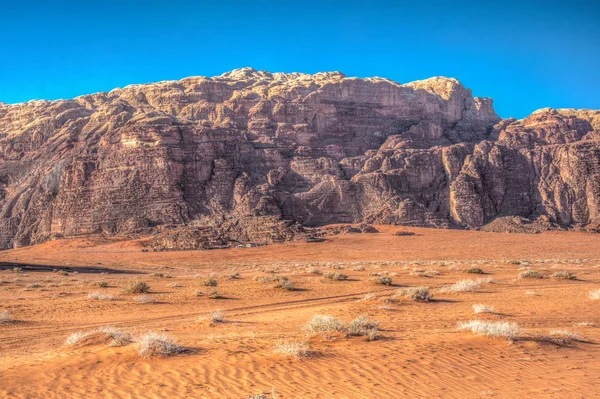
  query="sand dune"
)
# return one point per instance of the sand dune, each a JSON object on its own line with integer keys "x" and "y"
{"x": 418, "y": 353}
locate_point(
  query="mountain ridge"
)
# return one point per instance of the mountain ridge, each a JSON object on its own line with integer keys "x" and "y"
{"x": 305, "y": 148}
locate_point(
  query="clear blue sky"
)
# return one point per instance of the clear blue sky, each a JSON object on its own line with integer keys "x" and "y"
{"x": 524, "y": 54}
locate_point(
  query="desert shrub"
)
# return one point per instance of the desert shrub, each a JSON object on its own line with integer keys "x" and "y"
{"x": 368, "y": 297}
{"x": 161, "y": 275}
{"x": 494, "y": 329}
{"x": 335, "y": 276}
{"x": 100, "y": 296}
{"x": 263, "y": 396}
{"x": 136, "y": 287}
{"x": 292, "y": 349}
{"x": 566, "y": 335}
{"x": 144, "y": 299}
{"x": 101, "y": 284}
{"x": 384, "y": 280}
{"x": 324, "y": 323}
{"x": 314, "y": 270}
{"x": 564, "y": 274}
{"x": 484, "y": 280}
{"x": 6, "y": 317}
{"x": 473, "y": 270}
{"x": 285, "y": 284}
{"x": 362, "y": 326}
{"x": 415, "y": 293}
{"x": 175, "y": 285}
{"x": 461, "y": 286}
{"x": 216, "y": 317}
{"x": 119, "y": 338}
{"x": 214, "y": 294}
{"x": 480, "y": 308}
{"x": 209, "y": 282}
{"x": 77, "y": 337}
{"x": 154, "y": 344}
{"x": 595, "y": 294}
{"x": 530, "y": 273}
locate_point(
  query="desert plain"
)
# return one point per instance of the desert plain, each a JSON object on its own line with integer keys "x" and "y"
{"x": 247, "y": 336}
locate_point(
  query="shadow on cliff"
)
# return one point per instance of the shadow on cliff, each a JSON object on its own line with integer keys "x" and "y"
{"x": 27, "y": 267}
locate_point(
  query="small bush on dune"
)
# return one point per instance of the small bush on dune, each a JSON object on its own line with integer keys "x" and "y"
{"x": 473, "y": 270}
{"x": 362, "y": 326}
{"x": 295, "y": 350}
{"x": 210, "y": 282}
{"x": 480, "y": 308}
{"x": 493, "y": 329}
{"x": 566, "y": 335}
{"x": 335, "y": 276}
{"x": 461, "y": 286}
{"x": 383, "y": 280}
{"x": 214, "y": 295}
{"x": 324, "y": 323}
{"x": 154, "y": 344}
{"x": 101, "y": 335}
{"x": 144, "y": 299}
{"x": 101, "y": 284}
{"x": 415, "y": 293}
{"x": 285, "y": 284}
{"x": 564, "y": 274}
{"x": 119, "y": 338}
{"x": 100, "y": 296}
{"x": 263, "y": 396}
{"x": 595, "y": 294}
{"x": 6, "y": 317}
{"x": 136, "y": 287}
{"x": 216, "y": 317}
{"x": 530, "y": 273}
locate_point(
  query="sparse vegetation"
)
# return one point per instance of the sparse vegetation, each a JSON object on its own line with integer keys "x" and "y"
{"x": 566, "y": 335}
{"x": 285, "y": 284}
{"x": 530, "y": 273}
{"x": 480, "y": 308}
{"x": 214, "y": 294}
{"x": 335, "y": 276}
{"x": 6, "y": 317}
{"x": 144, "y": 299}
{"x": 292, "y": 349}
{"x": 100, "y": 296}
{"x": 101, "y": 284}
{"x": 564, "y": 275}
{"x": 461, "y": 286}
{"x": 362, "y": 326}
{"x": 324, "y": 323}
{"x": 415, "y": 293}
{"x": 595, "y": 294}
{"x": 216, "y": 316}
{"x": 383, "y": 280}
{"x": 154, "y": 344}
{"x": 493, "y": 329}
{"x": 136, "y": 287}
{"x": 473, "y": 270}
{"x": 210, "y": 282}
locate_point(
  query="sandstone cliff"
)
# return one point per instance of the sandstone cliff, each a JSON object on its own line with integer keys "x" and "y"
{"x": 313, "y": 149}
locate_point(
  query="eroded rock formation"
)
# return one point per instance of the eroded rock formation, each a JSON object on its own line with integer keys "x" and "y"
{"x": 312, "y": 149}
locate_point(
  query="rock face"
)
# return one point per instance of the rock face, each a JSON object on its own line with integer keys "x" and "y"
{"x": 312, "y": 149}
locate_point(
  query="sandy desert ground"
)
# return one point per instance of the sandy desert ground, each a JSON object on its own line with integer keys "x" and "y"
{"x": 418, "y": 352}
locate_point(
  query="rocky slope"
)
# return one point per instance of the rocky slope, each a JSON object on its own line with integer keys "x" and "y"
{"x": 312, "y": 149}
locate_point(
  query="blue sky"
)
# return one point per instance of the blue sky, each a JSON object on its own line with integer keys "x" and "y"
{"x": 525, "y": 55}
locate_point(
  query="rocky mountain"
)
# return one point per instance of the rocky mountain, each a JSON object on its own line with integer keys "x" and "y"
{"x": 311, "y": 149}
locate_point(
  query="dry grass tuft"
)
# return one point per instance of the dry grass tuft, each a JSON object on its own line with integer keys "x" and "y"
{"x": 100, "y": 296}
{"x": 474, "y": 270}
{"x": 215, "y": 317}
{"x": 493, "y": 329}
{"x": 362, "y": 326}
{"x": 422, "y": 294}
{"x": 292, "y": 349}
{"x": 595, "y": 294}
{"x": 6, "y": 317}
{"x": 564, "y": 274}
{"x": 101, "y": 284}
{"x": 461, "y": 286}
{"x": 335, "y": 276}
{"x": 154, "y": 344}
{"x": 144, "y": 299}
{"x": 210, "y": 282}
{"x": 383, "y": 280}
{"x": 324, "y": 323}
{"x": 530, "y": 273}
{"x": 566, "y": 335}
{"x": 480, "y": 308}
{"x": 136, "y": 287}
